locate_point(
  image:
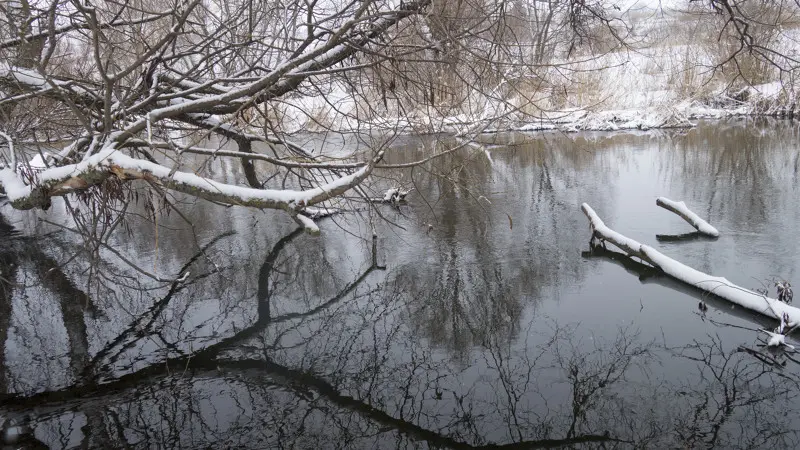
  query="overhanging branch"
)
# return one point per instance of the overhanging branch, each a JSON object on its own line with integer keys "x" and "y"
{"x": 111, "y": 162}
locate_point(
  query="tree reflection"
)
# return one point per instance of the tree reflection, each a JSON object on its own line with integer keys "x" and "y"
{"x": 270, "y": 339}
{"x": 8, "y": 275}
{"x": 345, "y": 367}
{"x": 736, "y": 400}
{"x": 734, "y": 396}
{"x": 503, "y": 236}
{"x": 349, "y": 370}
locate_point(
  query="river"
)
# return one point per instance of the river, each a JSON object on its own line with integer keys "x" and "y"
{"x": 476, "y": 317}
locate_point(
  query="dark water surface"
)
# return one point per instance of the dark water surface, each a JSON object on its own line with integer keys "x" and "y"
{"x": 479, "y": 319}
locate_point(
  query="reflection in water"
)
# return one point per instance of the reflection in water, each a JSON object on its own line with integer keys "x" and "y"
{"x": 472, "y": 322}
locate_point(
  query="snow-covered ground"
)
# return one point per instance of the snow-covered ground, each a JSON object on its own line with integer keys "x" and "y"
{"x": 667, "y": 77}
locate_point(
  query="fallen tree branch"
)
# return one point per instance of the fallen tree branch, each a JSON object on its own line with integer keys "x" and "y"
{"x": 686, "y": 214}
{"x": 718, "y": 286}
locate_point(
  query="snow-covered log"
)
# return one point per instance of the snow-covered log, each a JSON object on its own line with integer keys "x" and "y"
{"x": 686, "y": 214}
{"x": 718, "y": 286}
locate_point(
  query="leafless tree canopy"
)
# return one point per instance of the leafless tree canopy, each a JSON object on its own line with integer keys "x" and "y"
{"x": 95, "y": 94}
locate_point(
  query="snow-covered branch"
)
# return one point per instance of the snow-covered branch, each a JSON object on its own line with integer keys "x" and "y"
{"x": 117, "y": 97}
{"x": 284, "y": 78}
{"x": 30, "y": 83}
{"x": 686, "y": 214}
{"x": 112, "y": 162}
{"x": 718, "y": 286}
{"x": 57, "y": 31}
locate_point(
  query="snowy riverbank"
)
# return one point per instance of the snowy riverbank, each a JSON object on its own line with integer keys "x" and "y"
{"x": 646, "y": 111}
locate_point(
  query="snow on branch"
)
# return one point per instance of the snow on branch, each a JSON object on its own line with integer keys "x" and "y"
{"x": 155, "y": 92}
{"x": 109, "y": 162}
{"x": 286, "y": 76}
{"x": 308, "y": 225}
{"x": 686, "y": 214}
{"x": 718, "y": 286}
{"x": 83, "y": 26}
{"x": 207, "y": 97}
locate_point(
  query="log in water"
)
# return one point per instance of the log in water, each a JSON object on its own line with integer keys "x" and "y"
{"x": 718, "y": 286}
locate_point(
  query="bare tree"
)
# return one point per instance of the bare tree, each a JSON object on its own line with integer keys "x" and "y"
{"x": 93, "y": 96}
